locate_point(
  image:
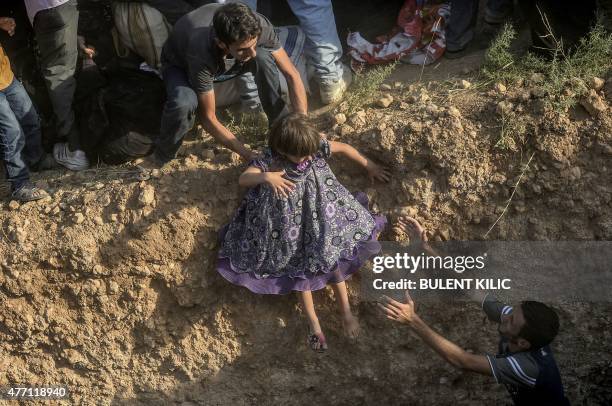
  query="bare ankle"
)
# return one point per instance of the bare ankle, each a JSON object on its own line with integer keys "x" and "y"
{"x": 347, "y": 314}
{"x": 315, "y": 326}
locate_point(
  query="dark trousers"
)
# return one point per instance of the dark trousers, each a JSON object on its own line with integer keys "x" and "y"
{"x": 20, "y": 141}
{"x": 175, "y": 9}
{"x": 464, "y": 13}
{"x": 567, "y": 21}
{"x": 182, "y": 102}
{"x": 56, "y": 35}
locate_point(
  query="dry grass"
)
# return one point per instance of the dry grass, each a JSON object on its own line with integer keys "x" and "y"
{"x": 365, "y": 87}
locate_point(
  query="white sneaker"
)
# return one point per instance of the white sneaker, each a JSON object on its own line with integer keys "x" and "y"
{"x": 333, "y": 92}
{"x": 73, "y": 160}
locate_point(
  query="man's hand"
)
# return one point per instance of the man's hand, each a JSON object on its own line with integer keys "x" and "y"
{"x": 377, "y": 172}
{"x": 8, "y": 25}
{"x": 206, "y": 104}
{"x": 281, "y": 186}
{"x": 402, "y": 312}
{"x": 248, "y": 155}
{"x": 451, "y": 352}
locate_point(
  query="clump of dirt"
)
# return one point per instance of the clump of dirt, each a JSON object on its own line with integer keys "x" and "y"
{"x": 109, "y": 286}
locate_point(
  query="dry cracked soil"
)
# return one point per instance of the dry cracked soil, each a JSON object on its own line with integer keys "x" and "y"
{"x": 109, "y": 286}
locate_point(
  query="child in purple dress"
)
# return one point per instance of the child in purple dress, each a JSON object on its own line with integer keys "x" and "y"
{"x": 298, "y": 228}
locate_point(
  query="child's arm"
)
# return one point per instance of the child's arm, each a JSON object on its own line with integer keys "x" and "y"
{"x": 374, "y": 171}
{"x": 88, "y": 50}
{"x": 8, "y": 24}
{"x": 254, "y": 176}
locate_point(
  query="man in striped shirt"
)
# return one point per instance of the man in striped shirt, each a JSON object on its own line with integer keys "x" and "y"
{"x": 524, "y": 362}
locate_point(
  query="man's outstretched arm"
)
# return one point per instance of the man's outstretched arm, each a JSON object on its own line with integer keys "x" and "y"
{"x": 206, "y": 103}
{"x": 452, "y": 353}
{"x": 297, "y": 92}
{"x": 418, "y": 237}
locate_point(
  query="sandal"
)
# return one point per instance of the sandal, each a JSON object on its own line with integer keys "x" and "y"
{"x": 28, "y": 193}
{"x": 317, "y": 338}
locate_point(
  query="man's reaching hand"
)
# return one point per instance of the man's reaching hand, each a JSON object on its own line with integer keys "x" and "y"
{"x": 398, "y": 311}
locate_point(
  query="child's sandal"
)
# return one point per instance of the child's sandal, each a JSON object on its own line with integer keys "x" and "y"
{"x": 317, "y": 338}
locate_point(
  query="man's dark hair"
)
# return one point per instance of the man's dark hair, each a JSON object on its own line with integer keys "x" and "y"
{"x": 235, "y": 22}
{"x": 541, "y": 324}
{"x": 294, "y": 135}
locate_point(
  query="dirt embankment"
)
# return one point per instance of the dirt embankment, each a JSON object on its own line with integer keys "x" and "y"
{"x": 109, "y": 287}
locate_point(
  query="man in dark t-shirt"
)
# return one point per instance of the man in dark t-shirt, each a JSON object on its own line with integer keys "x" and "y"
{"x": 524, "y": 362}
{"x": 531, "y": 375}
{"x": 215, "y": 43}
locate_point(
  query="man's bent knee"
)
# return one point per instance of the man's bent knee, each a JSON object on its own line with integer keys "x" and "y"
{"x": 183, "y": 100}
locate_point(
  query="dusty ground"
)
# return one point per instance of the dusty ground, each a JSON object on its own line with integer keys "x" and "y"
{"x": 109, "y": 286}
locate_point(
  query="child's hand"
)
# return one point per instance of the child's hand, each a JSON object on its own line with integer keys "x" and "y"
{"x": 89, "y": 51}
{"x": 376, "y": 172}
{"x": 8, "y": 25}
{"x": 281, "y": 186}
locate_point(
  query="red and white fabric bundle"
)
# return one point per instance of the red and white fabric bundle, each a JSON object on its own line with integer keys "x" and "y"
{"x": 418, "y": 37}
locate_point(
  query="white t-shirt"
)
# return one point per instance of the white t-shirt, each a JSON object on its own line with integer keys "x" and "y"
{"x": 34, "y": 6}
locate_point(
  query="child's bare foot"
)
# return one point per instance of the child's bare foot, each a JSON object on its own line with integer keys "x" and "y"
{"x": 413, "y": 228}
{"x": 351, "y": 326}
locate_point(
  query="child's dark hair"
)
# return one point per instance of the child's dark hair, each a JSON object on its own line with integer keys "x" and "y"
{"x": 235, "y": 22}
{"x": 294, "y": 135}
{"x": 541, "y": 324}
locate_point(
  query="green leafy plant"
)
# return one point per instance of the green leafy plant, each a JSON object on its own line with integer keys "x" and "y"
{"x": 565, "y": 72}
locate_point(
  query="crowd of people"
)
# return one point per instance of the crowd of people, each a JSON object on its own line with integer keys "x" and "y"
{"x": 201, "y": 51}
{"x": 195, "y": 56}
{"x": 297, "y": 229}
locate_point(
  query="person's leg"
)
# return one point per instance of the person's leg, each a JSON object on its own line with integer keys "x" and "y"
{"x": 245, "y": 84}
{"x": 268, "y": 85}
{"x": 56, "y": 35}
{"x": 173, "y": 10}
{"x": 497, "y": 11}
{"x": 604, "y": 8}
{"x": 567, "y": 22}
{"x": 263, "y": 7}
{"x": 460, "y": 27}
{"x": 27, "y": 117}
{"x": 12, "y": 142}
{"x": 249, "y": 97}
{"x": 178, "y": 116}
{"x": 323, "y": 47}
{"x": 349, "y": 321}
{"x": 251, "y": 3}
{"x": 313, "y": 321}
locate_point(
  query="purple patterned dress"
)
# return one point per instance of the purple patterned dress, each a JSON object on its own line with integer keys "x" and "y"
{"x": 320, "y": 234}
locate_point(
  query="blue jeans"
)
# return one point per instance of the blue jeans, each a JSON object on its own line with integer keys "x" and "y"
{"x": 20, "y": 138}
{"x": 323, "y": 47}
{"x": 181, "y": 105}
